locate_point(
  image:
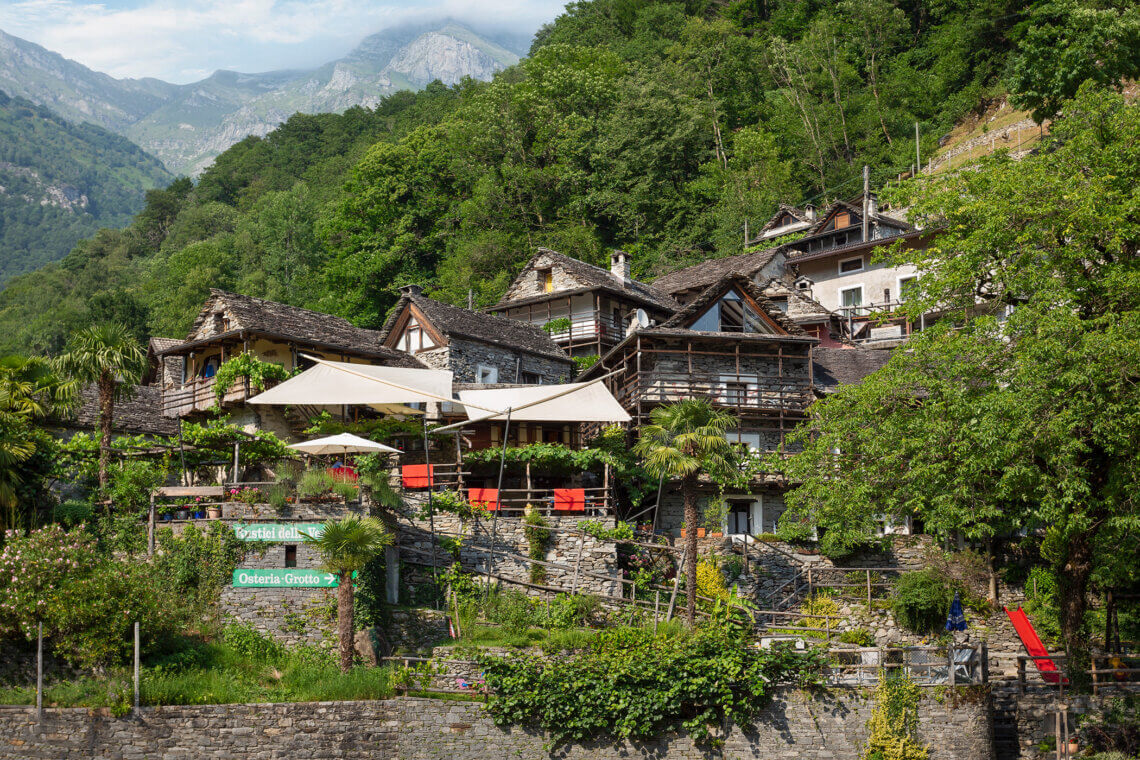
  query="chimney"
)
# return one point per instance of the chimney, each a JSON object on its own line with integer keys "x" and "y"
{"x": 619, "y": 267}
{"x": 809, "y": 211}
{"x": 411, "y": 290}
{"x": 872, "y": 206}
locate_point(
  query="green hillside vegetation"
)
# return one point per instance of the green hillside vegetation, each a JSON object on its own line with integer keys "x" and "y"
{"x": 61, "y": 182}
{"x": 657, "y": 127}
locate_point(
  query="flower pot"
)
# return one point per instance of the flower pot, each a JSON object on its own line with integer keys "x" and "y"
{"x": 199, "y": 515}
{"x": 716, "y": 534}
{"x": 700, "y": 532}
{"x": 1074, "y": 747}
{"x": 214, "y": 512}
{"x": 182, "y": 514}
{"x": 167, "y": 517}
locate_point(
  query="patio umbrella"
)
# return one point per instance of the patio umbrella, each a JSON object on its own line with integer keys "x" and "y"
{"x": 956, "y": 620}
{"x": 344, "y": 443}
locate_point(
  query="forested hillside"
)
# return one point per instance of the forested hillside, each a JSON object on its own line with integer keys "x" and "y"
{"x": 60, "y": 182}
{"x": 657, "y": 127}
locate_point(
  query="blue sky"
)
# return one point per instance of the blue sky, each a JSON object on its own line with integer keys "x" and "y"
{"x": 186, "y": 41}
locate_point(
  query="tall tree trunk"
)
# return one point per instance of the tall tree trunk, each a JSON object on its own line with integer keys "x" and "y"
{"x": 692, "y": 520}
{"x": 991, "y": 569}
{"x": 1072, "y": 593}
{"x": 344, "y": 594}
{"x": 106, "y": 419}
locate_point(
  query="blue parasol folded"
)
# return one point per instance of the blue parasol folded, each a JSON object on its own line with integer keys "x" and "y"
{"x": 956, "y": 620}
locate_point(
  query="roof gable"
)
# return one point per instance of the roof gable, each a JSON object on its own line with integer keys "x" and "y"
{"x": 443, "y": 321}
{"x": 768, "y": 317}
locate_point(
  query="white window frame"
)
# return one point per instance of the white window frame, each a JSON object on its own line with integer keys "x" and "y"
{"x": 492, "y": 371}
{"x": 899, "y": 284}
{"x": 756, "y": 512}
{"x": 839, "y": 265}
{"x": 844, "y": 288}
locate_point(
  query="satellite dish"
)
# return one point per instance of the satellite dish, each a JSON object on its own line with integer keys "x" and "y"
{"x": 641, "y": 318}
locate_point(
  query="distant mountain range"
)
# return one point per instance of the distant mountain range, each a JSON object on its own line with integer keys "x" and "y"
{"x": 60, "y": 182}
{"x": 186, "y": 126}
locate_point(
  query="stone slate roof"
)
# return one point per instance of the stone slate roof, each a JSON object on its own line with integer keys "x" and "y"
{"x": 478, "y": 326}
{"x": 158, "y": 345}
{"x": 279, "y": 320}
{"x": 681, "y": 319}
{"x": 708, "y": 272}
{"x": 833, "y": 367}
{"x": 596, "y": 278}
{"x": 140, "y": 414}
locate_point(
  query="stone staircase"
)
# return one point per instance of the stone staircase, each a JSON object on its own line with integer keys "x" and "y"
{"x": 1007, "y": 739}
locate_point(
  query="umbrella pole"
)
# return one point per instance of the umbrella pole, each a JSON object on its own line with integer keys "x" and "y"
{"x": 498, "y": 497}
{"x": 431, "y": 503}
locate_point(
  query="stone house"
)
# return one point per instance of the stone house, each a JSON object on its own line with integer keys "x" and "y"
{"x": 229, "y": 324}
{"x": 594, "y": 306}
{"x": 737, "y": 349}
{"x": 476, "y": 347}
{"x": 685, "y": 285}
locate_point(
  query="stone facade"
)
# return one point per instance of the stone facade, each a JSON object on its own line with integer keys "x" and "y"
{"x": 795, "y": 726}
{"x": 289, "y": 615}
{"x": 463, "y": 357}
{"x": 598, "y": 558}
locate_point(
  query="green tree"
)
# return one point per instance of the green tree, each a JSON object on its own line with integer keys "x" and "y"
{"x": 1023, "y": 408}
{"x": 346, "y": 547}
{"x": 1065, "y": 43}
{"x": 684, "y": 441}
{"x": 110, "y": 357}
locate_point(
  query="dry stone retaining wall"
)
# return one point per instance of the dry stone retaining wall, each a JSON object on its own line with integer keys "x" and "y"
{"x": 794, "y": 727}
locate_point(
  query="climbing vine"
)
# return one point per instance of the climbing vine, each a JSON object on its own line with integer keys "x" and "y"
{"x": 894, "y": 721}
{"x": 247, "y": 365}
{"x": 538, "y": 541}
{"x": 632, "y": 684}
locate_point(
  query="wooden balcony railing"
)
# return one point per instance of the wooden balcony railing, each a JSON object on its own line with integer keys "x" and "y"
{"x": 590, "y": 328}
{"x": 743, "y": 393}
{"x": 197, "y": 395}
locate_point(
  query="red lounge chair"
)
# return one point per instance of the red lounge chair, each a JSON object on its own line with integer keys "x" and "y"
{"x": 418, "y": 475}
{"x": 1034, "y": 646}
{"x": 569, "y": 500}
{"x": 485, "y": 497}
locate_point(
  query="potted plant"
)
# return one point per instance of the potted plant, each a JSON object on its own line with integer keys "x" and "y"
{"x": 181, "y": 513}
{"x": 214, "y": 511}
{"x": 715, "y": 517}
{"x": 165, "y": 512}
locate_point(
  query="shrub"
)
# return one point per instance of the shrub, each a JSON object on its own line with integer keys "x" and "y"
{"x": 198, "y": 563}
{"x": 538, "y": 542}
{"x": 250, "y": 643}
{"x": 622, "y": 531}
{"x": 131, "y": 484}
{"x": 631, "y": 684}
{"x": 859, "y": 637}
{"x": 315, "y": 482}
{"x": 894, "y": 721}
{"x": 710, "y": 582}
{"x": 920, "y": 601}
{"x": 277, "y": 497}
{"x": 74, "y": 512}
{"x": 345, "y": 489}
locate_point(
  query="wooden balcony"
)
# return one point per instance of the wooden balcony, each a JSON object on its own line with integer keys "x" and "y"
{"x": 589, "y": 328}
{"x": 197, "y": 395}
{"x": 742, "y": 394}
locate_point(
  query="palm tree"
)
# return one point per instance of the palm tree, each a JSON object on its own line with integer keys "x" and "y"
{"x": 109, "y": 356}
{"x": 681, "y": 442}
{"x": 346, "y": 547}
{"x": 29, "y": 390}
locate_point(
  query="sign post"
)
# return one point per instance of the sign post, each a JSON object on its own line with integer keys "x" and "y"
{"x": 290, "y": 577}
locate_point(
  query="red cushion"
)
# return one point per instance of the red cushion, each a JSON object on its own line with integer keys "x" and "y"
{"x": 488, "y": 497}
{"x": 418, "y": 475}
{"x": 570, "y": 499}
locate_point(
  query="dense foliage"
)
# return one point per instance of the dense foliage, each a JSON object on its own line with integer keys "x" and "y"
{"x": 62, "y": 182}
{"x": 631, "y": 684}
{"x": 660, "y": 127}
{"x": 1023, "y": 413}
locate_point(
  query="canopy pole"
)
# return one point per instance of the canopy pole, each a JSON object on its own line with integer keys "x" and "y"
{"x": 499, "y": 494}
{"x": 431, "y": 503}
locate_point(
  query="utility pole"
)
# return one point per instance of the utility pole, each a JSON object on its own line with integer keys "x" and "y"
{"x": 917, "y": 151}
{"x": 470, "y": 299}
{"x": 866, "y": 200}
{"x": 745, "y": 233}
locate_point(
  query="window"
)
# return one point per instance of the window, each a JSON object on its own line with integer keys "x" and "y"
{"x": 886, "y": 295}
{"x": 290, "y": 555}
{"x": 532, "y": 378}
{"x": 906, "y": 287}
{"x": 486, "y": 375}
{"x": 731, "y": 314}
{"x": 851, "y": 265}
{"x": 851, "y": 297}
{"x": 415, "y": 338}
{"x": 546, "y": 279}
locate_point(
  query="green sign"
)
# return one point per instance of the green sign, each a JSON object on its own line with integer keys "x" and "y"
{"x": 290, "y": 577}
{"x": 289, "y": 533}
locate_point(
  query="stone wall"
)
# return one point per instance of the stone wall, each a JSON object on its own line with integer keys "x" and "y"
{"x": 599, "y": 557}
{"x": 290, "y": 615}
{"x": 794, "y": 727}
{"x": 463, "y": 358}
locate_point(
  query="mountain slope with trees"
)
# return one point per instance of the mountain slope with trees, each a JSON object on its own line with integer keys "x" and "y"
{"x": 660, "y": 128}
{"x": 60, "y": 182}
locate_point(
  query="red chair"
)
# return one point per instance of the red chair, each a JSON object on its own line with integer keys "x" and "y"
{"x": 418, "y": 475}
{"x": 488, "y": 498}
{"x": 344, "y": 474}
{"x": 569, "y": 500}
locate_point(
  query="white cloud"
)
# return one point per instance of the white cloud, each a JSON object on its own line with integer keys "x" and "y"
{"x": 176, "y": 40}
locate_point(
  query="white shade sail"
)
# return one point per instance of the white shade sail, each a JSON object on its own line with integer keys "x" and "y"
{"x": 572, "y": 402}
{"x": 344, "y": 443}
{"x": 337, "y": 383}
